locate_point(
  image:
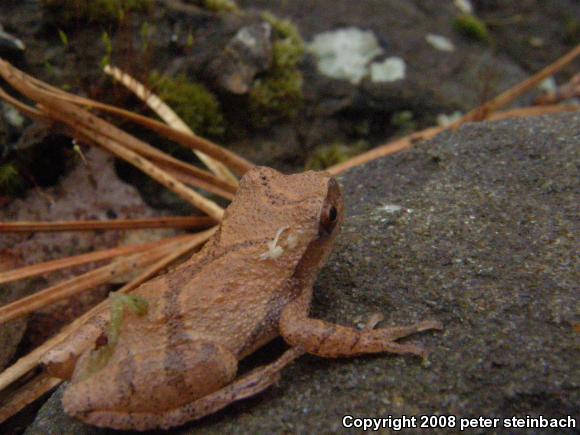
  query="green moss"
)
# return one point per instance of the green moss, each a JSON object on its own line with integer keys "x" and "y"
{"x": 99, "y": 358}
{"x": 10, "y": 179}
{"x": 472, "y": 27}
{"x": 221, "y": 5}
{"x": 278, "y": 94}
{"x": 328, "y": 155}
{"x": 404, "y": 121}
{"x": 98, "y": 11}
{"x": 289, "y": 45}
{"x": 193, "y": 102}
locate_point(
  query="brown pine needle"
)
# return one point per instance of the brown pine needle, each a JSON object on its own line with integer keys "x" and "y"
{"x": 31, "y": 112}
{"x": 515, "y": 92}
{"x": 217, "y": 186}
{"x": 169, "y": 116}
{"x": 33, "y": 359}
{"x": 237, "y": 163}
{"x": 196, "y": 222}
{"x": 106, "y": 135}
{"x": 195, "y": 241}
{"x": 155, "y": 172}
{"x": 77, "y": 260}
{"x": 80, "y": 283}
{"x": 407, "y": 142}
{"x": 26, "y": 394}
{"x": 384, "y": 150}
{"x": 532, "y": 111}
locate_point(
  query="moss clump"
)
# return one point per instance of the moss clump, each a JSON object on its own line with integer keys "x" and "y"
{"x": 472, "y": 27}
{"x": 221, "y": 5}
{"x": 99, "y": 358}
{"x": 289, "y": 45}
{"x": 96, "y": 11}
{"x": 278, "y": 94}
{"x": 329, "y": 155}
{"x": 10, "y": 179}
{"x": 193, "y": 102}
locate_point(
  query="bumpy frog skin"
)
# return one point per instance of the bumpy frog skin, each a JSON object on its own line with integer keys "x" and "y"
{"x": 251, "y": 282}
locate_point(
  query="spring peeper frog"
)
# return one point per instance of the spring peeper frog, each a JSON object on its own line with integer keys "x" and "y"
{"x": 251, "y": 282}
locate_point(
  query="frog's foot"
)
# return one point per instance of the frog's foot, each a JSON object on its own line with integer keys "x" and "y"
{"x": 333, "y": 341}
{"x": 247, "y": 386}
{"x": 139, "y": 389}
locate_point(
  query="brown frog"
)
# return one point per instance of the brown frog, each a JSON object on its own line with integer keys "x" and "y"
{"x": 251, "y": 282}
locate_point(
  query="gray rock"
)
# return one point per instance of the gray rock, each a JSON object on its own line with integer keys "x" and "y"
{"x": 476, "y": 229}
{"x": 246, "y": 54}
{"x": 435, "y": 81}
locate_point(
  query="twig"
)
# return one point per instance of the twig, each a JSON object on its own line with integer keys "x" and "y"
{"x": 237, "y": 163}
{"x": 81, "y": 283}
{"x": 169, "y": 116}
{"x": 77, "y": 260}
{"x": 384, "y": 150}
{"x": 407, "y": 142}
{"x": 117, "y": 224}
{"x": 513, "y": 93}
{"x": 25, "y": 395}
{"x": 106, "y": 135}
{"x": 155, "y": 172}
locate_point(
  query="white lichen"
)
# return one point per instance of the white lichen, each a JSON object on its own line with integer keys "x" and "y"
{"x": 464, "y": 6}
{"x": 444, "y": 119}
{"x": 390, "y": 70}
{"x": 274, "y": 250}
{"x": 345, "y": 54}
{"x": 440, "y": 42}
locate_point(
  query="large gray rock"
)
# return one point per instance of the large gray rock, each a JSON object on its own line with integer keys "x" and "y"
{"x": 484, "y": 241}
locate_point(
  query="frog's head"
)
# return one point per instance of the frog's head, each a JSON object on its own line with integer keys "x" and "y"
{"x": 304, "y": 210}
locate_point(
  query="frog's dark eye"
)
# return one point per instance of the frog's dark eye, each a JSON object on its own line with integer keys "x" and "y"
{"x": 328, "y": 218}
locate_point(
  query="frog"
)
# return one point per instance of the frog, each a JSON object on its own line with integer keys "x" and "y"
{"x": 253, "y": 281}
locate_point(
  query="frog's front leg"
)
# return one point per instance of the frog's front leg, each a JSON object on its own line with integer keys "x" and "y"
{"x": 333, "y": 341}
{"x": 138, "y": 388}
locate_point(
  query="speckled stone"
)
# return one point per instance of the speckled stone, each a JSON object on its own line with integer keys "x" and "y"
{"x": 484, "y": 240}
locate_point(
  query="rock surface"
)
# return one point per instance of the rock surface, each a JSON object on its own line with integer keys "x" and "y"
{"x": 477, "y": 229}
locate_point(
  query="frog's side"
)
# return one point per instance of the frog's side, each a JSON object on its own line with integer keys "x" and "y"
{"x": 251, "y": 282}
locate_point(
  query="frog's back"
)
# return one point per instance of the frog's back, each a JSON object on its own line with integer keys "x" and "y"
{"x": 234, "y": 299}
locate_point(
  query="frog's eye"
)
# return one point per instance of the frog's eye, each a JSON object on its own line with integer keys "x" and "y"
{"x": 328, "y": 218}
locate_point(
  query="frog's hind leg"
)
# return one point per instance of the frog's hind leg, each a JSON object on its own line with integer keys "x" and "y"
{"x": 139, "y": 386}
{"x": 247, "y": 386}
{"x": 333, "y": 341}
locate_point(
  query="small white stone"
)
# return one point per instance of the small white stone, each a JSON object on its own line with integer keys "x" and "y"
{"x": 390, "y": 208}
{"x": 440, "y": 42}
{"x": 345, "y": 53}
{"x": 13, "y": 116}
{"x": 444, "y": 120}
{"x": 548, "y": 85}
{"x": 464, "y": 6}
{"x": 390, "y": 70}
